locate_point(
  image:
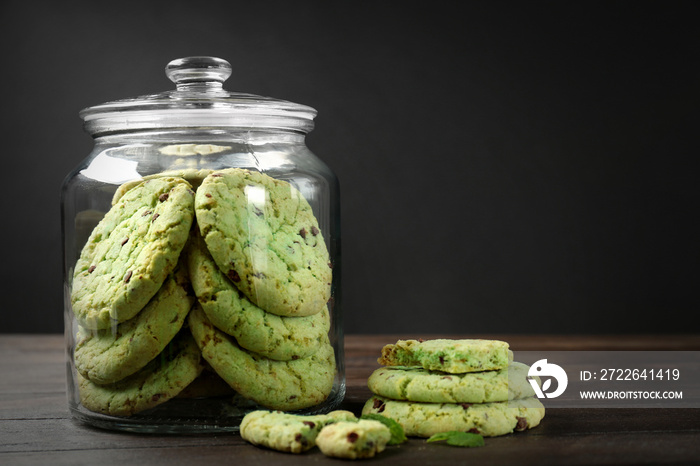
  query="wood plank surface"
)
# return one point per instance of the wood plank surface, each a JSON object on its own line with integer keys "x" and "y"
{"x": 36, "y": 427}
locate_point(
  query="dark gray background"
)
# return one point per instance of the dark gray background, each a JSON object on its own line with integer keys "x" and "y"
{"x": 504, "y": 166}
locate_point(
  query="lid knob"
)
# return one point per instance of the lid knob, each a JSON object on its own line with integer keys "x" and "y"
{"x": 189, "y": 70}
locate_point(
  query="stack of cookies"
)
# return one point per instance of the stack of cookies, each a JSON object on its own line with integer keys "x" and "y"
{"x": 223, "y": 271}
{"x": 436, "y": 386}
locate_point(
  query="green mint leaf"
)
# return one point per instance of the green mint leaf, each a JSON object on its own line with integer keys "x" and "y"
{"x": 397, "y": 434}
{"x": 458, "y": 439}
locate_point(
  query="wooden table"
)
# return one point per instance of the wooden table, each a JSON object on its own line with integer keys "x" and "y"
{"x": 36, "y": 427}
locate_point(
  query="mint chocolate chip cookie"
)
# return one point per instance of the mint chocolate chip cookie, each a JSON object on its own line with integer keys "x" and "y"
{"x": 288, "y": 432}
{"x": 159, "y": 381}
{"x": 421, "y": 385}
{"x": 270, "y": 335}
{"x": 281, "y": 385}
{"x": 107, "y": 356}
{"x": 131, "y": 252}
{"x": 453, "y": 356}
{"x": 487, "y": 419}
{"x": 263, "y": 235}
{"x": 353, "y": 440}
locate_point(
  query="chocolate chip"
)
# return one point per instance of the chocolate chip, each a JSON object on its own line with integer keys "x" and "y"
{"x": 156, "y": 397}
{"x": 310, "y": 424}
{"x": 128, "y": 276}
{"x": 233, "y": 276}
{"x": 163, "y": 197}
{"x": 420, "y": 340}
{"x": 466, "y": 405}
{"x": 147, "y": 212}
{"x": 474, "y": 430}
{"x": 302, "y": 233}
{"x": 352, "y": 437}
{"x": 155, "y": 216}
{"x": 447, "y": 377}
{"x": 379, "y": 405}
{"x": 216, "y": 175}
{"x": 125, "y": 241}
{"x": 298, "y": 437}
{"x": 522, "y": 423}
{"x": 208, "y": 195}
{"x": 92, "y": 269}
{"x": 442, "y": 360}
{"x": 314, "y": 231}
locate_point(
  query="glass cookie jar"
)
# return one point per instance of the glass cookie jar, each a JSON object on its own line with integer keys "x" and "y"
{"x": 201, "y": 261}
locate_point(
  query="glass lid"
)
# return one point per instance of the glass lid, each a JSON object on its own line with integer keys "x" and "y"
{"x": 198, "y": 101}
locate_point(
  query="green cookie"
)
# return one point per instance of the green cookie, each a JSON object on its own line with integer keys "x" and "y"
{"x": 131, "y": 252}
{"x": 270, "y": 335}
{"x": 291, "y": 433}
{"x": 418, "y": 384}
{"x": 263, "y": 235}
{"x": 162, "y": 379}
{"x": 487, "y": 419}
{"x": 107, "y": 356}
{"x": 453, "y": 356}
{"x": 353, "y": 440}
{"x": 281, "y": 385}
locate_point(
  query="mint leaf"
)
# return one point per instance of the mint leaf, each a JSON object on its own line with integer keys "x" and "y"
{"x": 458, "y": 439}
{"x": 397, "y": 434}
